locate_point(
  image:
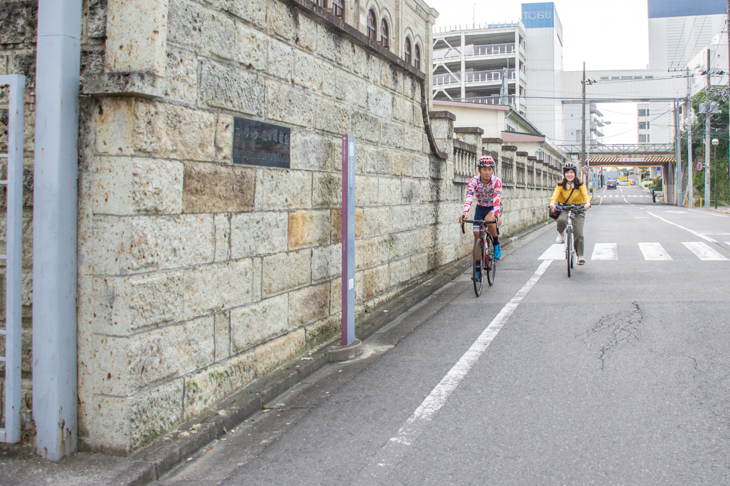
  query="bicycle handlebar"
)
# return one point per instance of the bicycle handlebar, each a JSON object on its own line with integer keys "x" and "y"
{"x": 480, "y": 222}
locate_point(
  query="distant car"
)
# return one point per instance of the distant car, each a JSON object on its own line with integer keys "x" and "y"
{"x": 611, "y": 184}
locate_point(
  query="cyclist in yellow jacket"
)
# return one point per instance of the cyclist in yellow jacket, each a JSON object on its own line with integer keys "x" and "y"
{"x": 571, "y": 191}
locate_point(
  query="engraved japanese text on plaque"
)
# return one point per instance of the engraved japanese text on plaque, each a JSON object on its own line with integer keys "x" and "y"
{"x": 262, "y": 144}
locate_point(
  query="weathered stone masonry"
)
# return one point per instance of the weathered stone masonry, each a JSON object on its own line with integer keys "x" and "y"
{"x": 197, "y": 276}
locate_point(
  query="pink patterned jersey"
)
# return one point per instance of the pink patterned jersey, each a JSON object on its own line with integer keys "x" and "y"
{"x": 488, "y": 194}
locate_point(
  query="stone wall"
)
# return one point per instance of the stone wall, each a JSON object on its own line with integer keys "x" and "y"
{"x": 198, "y": 276}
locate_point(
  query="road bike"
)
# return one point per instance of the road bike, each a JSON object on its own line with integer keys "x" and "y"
{"x": 569, "y": 246}
{"x": 484, "y": 261}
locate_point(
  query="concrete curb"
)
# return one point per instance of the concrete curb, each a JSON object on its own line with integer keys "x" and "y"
{"x": 157, "y": 459}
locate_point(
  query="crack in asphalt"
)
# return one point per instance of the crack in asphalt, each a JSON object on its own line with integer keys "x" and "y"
{"x": 616, "y": 330}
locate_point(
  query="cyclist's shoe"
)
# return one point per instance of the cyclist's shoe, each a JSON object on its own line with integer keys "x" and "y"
{"x": 559, "y": 239}
{"x": 478, "y": 273}
{"x": 497, "y": 252}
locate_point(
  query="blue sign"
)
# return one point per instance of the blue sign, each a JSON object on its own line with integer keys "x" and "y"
{"x": 699, "y": 165}
{"x": 658, "y": 170}
{"x": 540, "y": 16}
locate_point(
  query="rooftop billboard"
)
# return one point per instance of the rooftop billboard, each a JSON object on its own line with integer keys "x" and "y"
{"x": 684, "y": 8}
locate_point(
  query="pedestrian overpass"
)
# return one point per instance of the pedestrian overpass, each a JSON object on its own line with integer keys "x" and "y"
{"x": 632, "y": 155}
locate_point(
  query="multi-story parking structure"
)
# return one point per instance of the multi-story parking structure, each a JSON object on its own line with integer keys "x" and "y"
{"x": 482, "y": 64}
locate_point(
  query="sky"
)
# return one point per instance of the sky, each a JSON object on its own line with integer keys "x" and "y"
{"x": 605, "y": 34}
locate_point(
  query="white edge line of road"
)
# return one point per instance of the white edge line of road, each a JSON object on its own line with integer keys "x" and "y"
{"x": 394, "y": 449}
{"x": 682, "y": 227}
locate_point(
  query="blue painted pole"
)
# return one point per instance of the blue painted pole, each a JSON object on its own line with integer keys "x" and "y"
{"x": 348, "y": 239}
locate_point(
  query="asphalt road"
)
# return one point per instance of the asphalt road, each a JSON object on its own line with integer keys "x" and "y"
{"x": 618, "y": 375}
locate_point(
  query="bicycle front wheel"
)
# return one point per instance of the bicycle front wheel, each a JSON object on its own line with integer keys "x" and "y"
{"x": 491, "y": 261}
{"x": 477, "y": 275}
{"x": 569, "y": 248}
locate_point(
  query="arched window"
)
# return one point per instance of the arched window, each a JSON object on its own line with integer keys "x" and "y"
{"x": 338, "y": 7}
{"x": 384, "y": 34}
{"x": 408, "y": 50}
{"x": 417, "y": 58}
{"x": 372, "y": 29}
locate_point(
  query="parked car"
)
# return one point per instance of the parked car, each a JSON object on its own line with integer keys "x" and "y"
{"x": 611, "y": 184}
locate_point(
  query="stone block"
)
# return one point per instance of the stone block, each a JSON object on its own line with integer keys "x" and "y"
{"x": 281, "y": 60}
{"x": 218, "y": 188}
{"x": 404, "y": 217}
{"x": 283, "y": 189}
{"x": 309, "y": 228}
{"x": 233, "y": 89}
{"x": 218, "y": 286}
{"x": 400, "y": 271}
{"x": 403, "y": 110}
{"x": 332, "y": 117}
{"x": 372, "y": 160}
{"x": 419, "y": 265}
{"x": 350, "y": 89}
{"x": 418, "y": 116}
{"x": 326, "y": 262}
{"x": 18, "y": 22}
{"x": 251, "y": 47}
{"x": 123, "y": 424}
{"x": 282, "y": 20}
{"x": 310, "y": 151}
{"x": 286, "y": 271}
{"x": 388, "y": 76}
{"x": 411, "y": 191}
{"x": 313, "y": 74}
{"x": 393, "y": 134}
{"x": 322, "y": 332}
{"x": 181, "y": 76}
{"x": 375, "y": 281}
{"x": 306, "y": 35}
{"x": 200, "y": 29}
{"x": 380, "y": 102}
{"x": 365, "y": 127}
{"x": 413, "y": 138}
{"x": 278, "y": 352}
{"x": 421, "y": 166}
{"x": 367, "y": 191}
{"x": 309, "y": 305}
{"x": 224, "y": 139}
{"x": 222, "y": 336}
{"x": 259, "y": 233}
{"x": 366, "y": 253}
{"x": 336, "y": 297}
{"x": 405, "y": 244}
{"x": 222, "y": 237}
{"x": 402, "y": 164}
{"x": 114, "y": 126}
{"x": 328, "y": 43}
{"x": 288, "y": 104}
{"x": 377, "y": 221}
{"x": 205, "y": 388}
{"x": 389, "y": 191}
{"x": 255, "y": 324}
{"x": 326, "y": 190}
{"x": 123, "y": 185}
{"x": 136, "y": 35}
{"x": 254, "y": 11}
{"x": 122, "y": 305}
{"x": 126, "y": 365}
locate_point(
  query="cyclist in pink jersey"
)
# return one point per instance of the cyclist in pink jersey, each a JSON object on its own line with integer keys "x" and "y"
{"x": 488, "y": 191}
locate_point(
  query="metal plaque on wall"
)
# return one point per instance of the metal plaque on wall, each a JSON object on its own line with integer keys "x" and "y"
{"x": 262, "y": 144}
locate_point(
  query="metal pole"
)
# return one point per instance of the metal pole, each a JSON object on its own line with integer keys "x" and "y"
{"x": 708, "y": 116}
{"x": 714, "y": 168}
{"x": 583, "y": 120}
{"x": 55, "y": 215}
{"x": 688, "y": 120}
{"x": 677, "y": 156}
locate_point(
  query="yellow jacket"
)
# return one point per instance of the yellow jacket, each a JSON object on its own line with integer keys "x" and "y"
{"x": 580, "y": 195}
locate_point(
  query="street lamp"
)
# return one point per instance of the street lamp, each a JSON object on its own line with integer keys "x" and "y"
{"x": 714, "y": 165}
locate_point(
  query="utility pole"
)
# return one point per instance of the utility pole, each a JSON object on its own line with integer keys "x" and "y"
{"x": 677, "y": 156}
{"x": 728, "y": 71}
{"x": 708, "y": 116}
{"x": 688, "y": 121}
{"x": 583, "y": 119}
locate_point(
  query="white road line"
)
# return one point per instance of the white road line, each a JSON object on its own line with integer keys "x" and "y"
{"x": 703, "y": 251}
{"x": 605, "y": 251}
{"x": 555, "y": 252}
{"x": 625, "y": 200}
{"x": 654, "y": 251}
{"x": 393, "y": 451}
{"x": 682, "y": 227}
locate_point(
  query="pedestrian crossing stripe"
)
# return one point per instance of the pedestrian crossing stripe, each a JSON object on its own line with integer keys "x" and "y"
{"x": 623, "y": 195}
{"x": 650, "y": 251}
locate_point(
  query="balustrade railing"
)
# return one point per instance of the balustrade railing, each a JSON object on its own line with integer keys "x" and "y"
{"x": 507, "y": 171}
{"x": 465, "y": 156}
{"x": 472, "y": 77}
{"x": 474, "y": 51}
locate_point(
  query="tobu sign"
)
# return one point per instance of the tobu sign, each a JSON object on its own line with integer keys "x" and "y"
{"x": 262, "y": 144}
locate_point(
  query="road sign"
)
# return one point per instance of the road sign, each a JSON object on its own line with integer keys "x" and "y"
{"x": 699, "y": 165}
{"x": 631, "y": 160}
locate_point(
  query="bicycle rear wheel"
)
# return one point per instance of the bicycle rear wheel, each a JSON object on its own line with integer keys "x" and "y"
{"x": 491, "y": 261}
{"x": 569, "y": 248}
{"x": 477, "y": 274}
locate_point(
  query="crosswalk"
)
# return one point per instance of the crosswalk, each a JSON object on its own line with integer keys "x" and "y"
{"x": 652, "y": 251}
{"x": 624, "y": 195}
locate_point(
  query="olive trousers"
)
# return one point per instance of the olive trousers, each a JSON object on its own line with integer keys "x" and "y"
{"x": 579, "y": 220}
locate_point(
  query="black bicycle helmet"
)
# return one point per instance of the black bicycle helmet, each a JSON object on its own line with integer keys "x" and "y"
{"x": 486, "y": 161}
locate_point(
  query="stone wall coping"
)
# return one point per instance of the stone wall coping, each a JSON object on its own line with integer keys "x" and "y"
{"x": 442, "y": 114}
{"x": 520, "y": 165}
{"x": 492, "y": 140}
{"x": 522, "y": 154}
{"x": 465, "y": 146}
{"x": 529, "y": 157}
{"x": 506, "y": 160}
{"x": 478, "y": 130}
{"x": 509, "y": 148}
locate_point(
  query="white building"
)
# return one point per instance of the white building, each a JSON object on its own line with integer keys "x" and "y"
{"x": 594, "y": 123}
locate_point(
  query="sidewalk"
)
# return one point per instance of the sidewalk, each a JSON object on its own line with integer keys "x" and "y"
{"x": 19, "y": 464}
